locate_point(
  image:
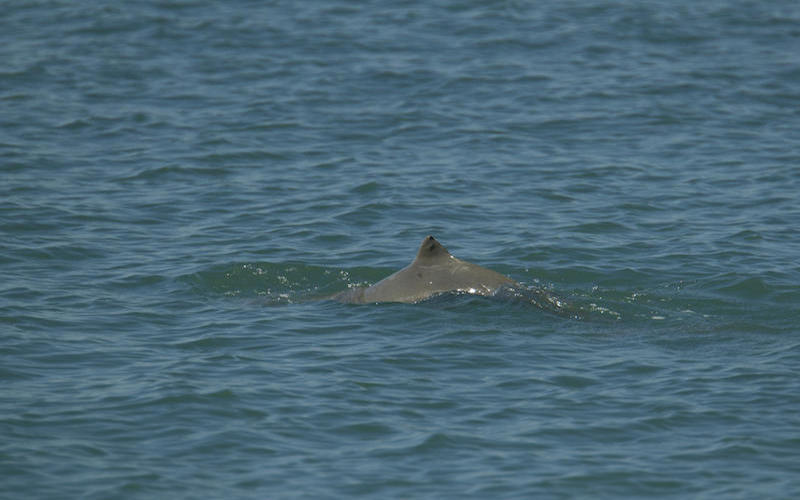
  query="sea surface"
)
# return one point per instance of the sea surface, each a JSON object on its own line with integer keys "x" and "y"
{"x": 183, "y": 184}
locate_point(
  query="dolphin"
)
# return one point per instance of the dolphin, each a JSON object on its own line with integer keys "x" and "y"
{"x": 433, "y": 271}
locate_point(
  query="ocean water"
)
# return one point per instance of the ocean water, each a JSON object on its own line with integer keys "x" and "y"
{"x": 183, "y": 183}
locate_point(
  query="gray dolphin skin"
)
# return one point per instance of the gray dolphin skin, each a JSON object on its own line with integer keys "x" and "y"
{"x": 433, "y": 271}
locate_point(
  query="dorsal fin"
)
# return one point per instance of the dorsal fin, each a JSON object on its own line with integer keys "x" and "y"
{"x": 431, "y": 250}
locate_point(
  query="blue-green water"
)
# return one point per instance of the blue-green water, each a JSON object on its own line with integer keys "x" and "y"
{"x": 180, "y": 181}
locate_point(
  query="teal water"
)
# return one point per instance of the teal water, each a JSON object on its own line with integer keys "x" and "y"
{"x": 180, "y": 182}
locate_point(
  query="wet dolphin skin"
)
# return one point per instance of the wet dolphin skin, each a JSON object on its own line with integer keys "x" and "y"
{"x": 433, "y": 271}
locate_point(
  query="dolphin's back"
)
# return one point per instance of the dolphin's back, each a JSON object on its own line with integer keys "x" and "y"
{"x": 433, "y": 271}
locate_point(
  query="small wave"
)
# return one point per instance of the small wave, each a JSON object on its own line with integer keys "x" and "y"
{"x": 275, "y": 283}
{"x": 170, "y": 171}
